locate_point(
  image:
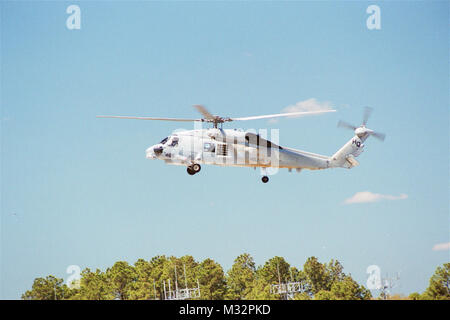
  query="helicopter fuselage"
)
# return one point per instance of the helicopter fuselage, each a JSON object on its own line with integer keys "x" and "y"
{"x": 231, "y": 147}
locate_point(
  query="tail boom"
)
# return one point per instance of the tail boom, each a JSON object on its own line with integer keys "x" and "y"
{"x": 345, "y": 156}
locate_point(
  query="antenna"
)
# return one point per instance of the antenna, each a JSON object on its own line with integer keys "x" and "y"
{"x": 176, "y": 279}
{"x": 165, "y": 296}
{"x": 287, "y": 290}
{"x": 446, "y": 284}
{"x": 181, "y": 294}
{"x": 154, "y": 289}
{"x": 387, "y": 284}
{"x": 185, "y": 280}
{"x": 278, "y": 270}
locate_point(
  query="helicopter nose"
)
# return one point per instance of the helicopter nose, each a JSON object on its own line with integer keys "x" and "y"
{"x": 149, "y": 153}
{"x": 153, "y": 151}
{"x": 158, "y": 150}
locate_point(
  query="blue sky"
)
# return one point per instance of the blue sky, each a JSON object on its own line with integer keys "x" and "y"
{"x": 77, "y": 190}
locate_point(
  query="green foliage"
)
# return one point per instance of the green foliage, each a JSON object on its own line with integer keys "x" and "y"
{"x": 49, "y": 288}
{"x": 121, "y": 278}
{"x": 349, "y": 289}
{"x": 329, "y": 282}
{"x": 302, "y": 296}
{"x": 274, "y": 271}
{"x": 142, "y": 288}
{"x": 241, "y": 277}
{"x": 212, "y": 280}
{"x": 316, "y": 275}
{"x": 145, "y": 280}
{"x": 94, "y": 286}
{"x": 260, "y": 290}
{"x": 438, "y": 288}
{"x": 414, "y": 296}
{"x": 324, "y": 295}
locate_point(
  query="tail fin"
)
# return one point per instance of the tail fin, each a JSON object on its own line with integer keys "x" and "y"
{"x": 345, "y": 156}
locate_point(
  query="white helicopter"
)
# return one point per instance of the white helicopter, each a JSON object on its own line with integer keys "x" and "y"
{"x": 235, "y": 147}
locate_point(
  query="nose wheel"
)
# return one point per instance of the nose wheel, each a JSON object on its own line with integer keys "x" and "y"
{"x": 193, "y": 169}
{"x": 265, "y": 179}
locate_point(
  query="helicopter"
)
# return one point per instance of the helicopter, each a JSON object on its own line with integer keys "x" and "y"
{"x": 235, "y": 147}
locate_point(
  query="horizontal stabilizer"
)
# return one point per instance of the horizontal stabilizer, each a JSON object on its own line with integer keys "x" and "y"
{"x": 352, "y": 161}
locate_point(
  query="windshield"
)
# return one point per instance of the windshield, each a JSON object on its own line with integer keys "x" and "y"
{"x": 163, "y": 141}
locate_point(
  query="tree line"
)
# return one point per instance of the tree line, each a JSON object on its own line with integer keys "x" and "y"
{"x": 147, "y": 280}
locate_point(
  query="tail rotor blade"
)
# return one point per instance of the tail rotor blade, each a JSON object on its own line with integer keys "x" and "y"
{"x": 343, "y": 124}
{"x": 367, "y": 112}
{"x": 363, "y": 130}
{"x": 379, "y": 135}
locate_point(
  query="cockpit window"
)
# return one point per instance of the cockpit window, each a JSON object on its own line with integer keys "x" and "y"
{"x": 209, "y": 147}
{"x": 163, "y": 141}
{"x": 255, "y": 139}
{"x": 174, "y": 142}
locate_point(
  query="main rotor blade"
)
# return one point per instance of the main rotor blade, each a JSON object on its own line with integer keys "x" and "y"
{"x": 290, "y": 114}
{"x": 344, "y": 124}
{"x": 148, "y": 118}
{"x": 204, "y": 112}
{"x": 379, "y": 135}
{"x": 367, "y": 112}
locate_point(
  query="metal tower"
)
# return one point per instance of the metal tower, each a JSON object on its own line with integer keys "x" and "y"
{"x": 181, "y": 294}
{"x": 287, "y": 290}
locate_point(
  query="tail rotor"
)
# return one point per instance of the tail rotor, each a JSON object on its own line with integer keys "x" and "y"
{"x": 366, "y": 116}
{"x": 362, "y": 131}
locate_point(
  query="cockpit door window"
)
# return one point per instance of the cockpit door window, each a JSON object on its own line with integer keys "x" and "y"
{"x": 209, "y": 147}
{"x": 174, "y": 142}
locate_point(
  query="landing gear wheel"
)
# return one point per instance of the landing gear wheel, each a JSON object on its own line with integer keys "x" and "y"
{"x": 190, "y": 171}
{"x": 196, "y": 167}
{"x": 265, "y": 179}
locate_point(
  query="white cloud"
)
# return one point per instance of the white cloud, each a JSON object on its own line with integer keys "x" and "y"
{"x": 306, "y": 105}
{"x": 309, "y": 105}
{"x": 441, "y": 246}
{"x": 367, "y": 196}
